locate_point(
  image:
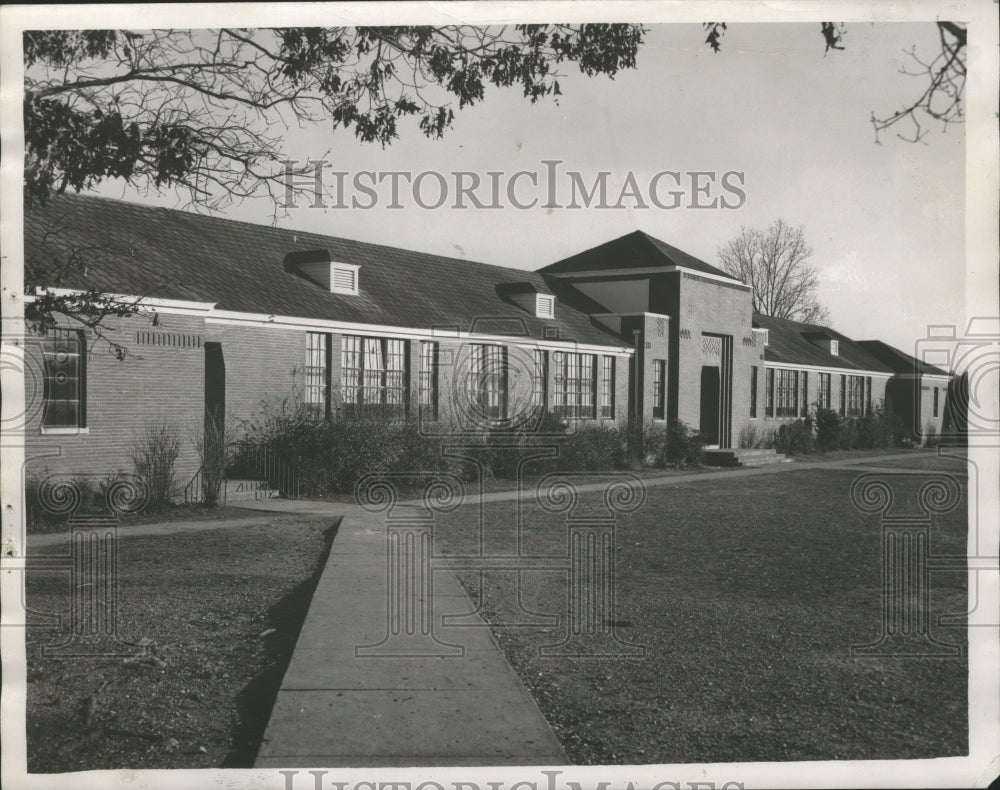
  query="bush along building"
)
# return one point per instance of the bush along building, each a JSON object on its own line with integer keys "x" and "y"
{"x": 238, "y": 318}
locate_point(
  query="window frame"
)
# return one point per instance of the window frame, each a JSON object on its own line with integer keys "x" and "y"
{"x": 539, "y": 378}
{"x": 52, "y": 343}
{"x": 823, "y": 391}
{"x": 753, "y": 392}
{"x": 606, "y": 387}
{"x": 388, "y": 385}
{"x": 769, "y": 392}
{"x": 487, "y": 381}
{"x": 317, "y": 353}
{"x": 786, "y": 400}
{"x": 854, "y": 396}
{"x": 659, "y": 389}
{"x": 574, "y": 380}
{"x": 428, "y": 379}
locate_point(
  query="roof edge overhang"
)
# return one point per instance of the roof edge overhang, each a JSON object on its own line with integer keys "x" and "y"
{"x": 590, "y": 274}
{"x": 829, "y": 368}
{"x": 179, "y": 306}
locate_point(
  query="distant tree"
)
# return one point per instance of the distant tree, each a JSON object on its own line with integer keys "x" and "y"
{"x": 774, "y": 262}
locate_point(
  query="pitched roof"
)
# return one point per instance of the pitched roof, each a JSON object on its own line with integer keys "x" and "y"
{"x": 794, "y": 343}
{"x": 899, "y": 361}
{"x": 144, "y": 250}
{"x": 636, "y": 250}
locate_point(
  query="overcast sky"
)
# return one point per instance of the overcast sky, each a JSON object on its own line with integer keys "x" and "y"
{"x": 886, "y": 222}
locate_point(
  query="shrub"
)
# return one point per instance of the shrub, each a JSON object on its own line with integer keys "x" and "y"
{"x": 154, "y": 452}
{"x": 756, "y": 437}
{"x": 849, "y": 434}
{"x": 682, "y": 446}
{"x": 92, "y": 491}
{"x": 328, "y": 456}
{"x": 795, "y": 438}
{"x": 213, "y": 453}
{"x": 596, "y": 448}
{"x": 930, "y": 435}
{"x": 644, "y": 444}
{"x": 828, "y": 429}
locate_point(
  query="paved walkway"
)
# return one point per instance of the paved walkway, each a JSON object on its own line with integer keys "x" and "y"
{"x": 369, "y": 686}
{"x": 352, "y": 696}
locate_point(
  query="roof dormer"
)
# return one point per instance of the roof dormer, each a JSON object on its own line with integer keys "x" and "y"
{"x": 533, "y": 299}
{"x": 316, "y": 266}
{"x": 823, "y": 340}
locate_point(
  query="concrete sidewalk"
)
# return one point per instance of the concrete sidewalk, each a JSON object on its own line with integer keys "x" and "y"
{"x": 363, "y": 691}
{"x": 353, "y": 697}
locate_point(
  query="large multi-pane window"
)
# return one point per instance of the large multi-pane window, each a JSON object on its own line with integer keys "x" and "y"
{"x": 539, "y": 376}
{"x": 786, "y": 394}
{"x": 374, "y": 376}
{"x": 823, "y": 391}
{"x": 659, "y": 388}
{"x": 769, "y": 393}
{"x": 607, "y": 387}
{"x": 65, "y": 401}
{"x": 317, "y": 389}
{"x": 574, "y": 377}
{"x": 427, "y": 382}
{"x": 753, "y": 391}
{"x": 487, "y": 383}
{"x": 854, "y": 396}
{"x": 803, "y": 404}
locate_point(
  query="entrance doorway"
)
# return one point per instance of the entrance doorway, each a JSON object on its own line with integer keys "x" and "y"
{"x": 215, "y": 388}
{"x": 710, "y": 403}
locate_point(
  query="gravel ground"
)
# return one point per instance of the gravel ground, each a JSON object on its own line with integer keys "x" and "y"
{"x": 747, "y": 598}
{"x": 204, "y": 603}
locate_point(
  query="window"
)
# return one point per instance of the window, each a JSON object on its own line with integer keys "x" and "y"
{"x": 935, "y": 401}
{"x": 573, "y": 395}
{"x": 753, "y": 391}
{"x": 487, "y": 384}
{"x": 835, "y": 347}
{"x": 786, "y": 400}
{"x": 854, "y": 396}
{"x": 823, "y": 395}
{"x": 539, "y": 377}
{"x": 607, "y": 387}
{"x": 769, "y": 393}
{"x": 868, "y": 395}
{"x": 374, "y": 370}
{"x": 65, "y": 379}
{"x": 659, "y": 388}
{"x": 427, "y": 381}
{"x": 317, "y": 390}
{"x": 803, "y": 393}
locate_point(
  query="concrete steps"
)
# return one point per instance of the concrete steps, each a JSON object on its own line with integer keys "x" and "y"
{"x": 249, "y": 490}
{"x": 739, "y": 457}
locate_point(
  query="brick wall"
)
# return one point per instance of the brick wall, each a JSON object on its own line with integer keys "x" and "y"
{"x": 700, "y": 307}
{"x": 263, "y": 365}
{"x": 161, "y": 380}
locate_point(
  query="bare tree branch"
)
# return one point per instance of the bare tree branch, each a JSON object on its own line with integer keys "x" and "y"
{"x": 943, "y": 98}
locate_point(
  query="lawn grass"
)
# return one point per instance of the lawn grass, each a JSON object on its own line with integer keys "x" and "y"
{"x": 47, "y": 524}
{"x": 203, "y": 696}
{"x": 747, "y": 595}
